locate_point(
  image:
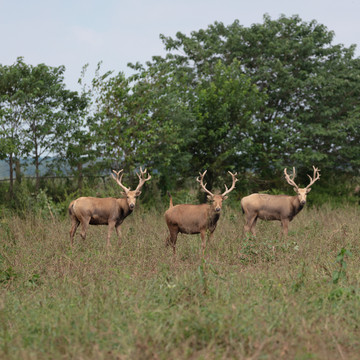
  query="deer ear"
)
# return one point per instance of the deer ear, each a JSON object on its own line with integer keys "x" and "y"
{"x": 209, "y": 197}
{"x": 138, "y": 193}
{"x": 225, "y": 197}
{"x": 308, "y": 190}
{"x": 295, "y": 189}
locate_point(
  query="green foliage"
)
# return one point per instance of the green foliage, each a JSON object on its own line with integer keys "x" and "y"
{"x": 248, "y": 99}
{"x": 300, "y": 74}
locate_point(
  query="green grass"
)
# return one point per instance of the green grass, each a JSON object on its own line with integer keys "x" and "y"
{"x": 262, "y": 298}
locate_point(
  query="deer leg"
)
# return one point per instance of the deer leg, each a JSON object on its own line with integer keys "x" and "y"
{"x": 111, "y": 226}
{"x": 203, "y": 241}
{"x": 172, "y": 237}
{"x": 253, "y": 226}
{"x": 210, "y": 236}
{"x": 118, "y": 233}
{"x": 285, "y": 227}
{"x": 250, "y": 224}
{"x": 74, "y": 225}
{"x": 84, "y": 226}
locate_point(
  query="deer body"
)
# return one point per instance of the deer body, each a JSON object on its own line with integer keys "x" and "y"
{"x": 192, "y": 219}
{"x": 276, "y": 207}
{"x": 104, "y": 211}
{"x": 195, "y": 219}
{"x": 98, "y": 211}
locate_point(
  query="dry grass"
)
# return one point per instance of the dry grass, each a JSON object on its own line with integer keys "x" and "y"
{"x": 262, "y": 298}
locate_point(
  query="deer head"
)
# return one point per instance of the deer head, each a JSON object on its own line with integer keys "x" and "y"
{"x": 302, "y": 192}
{"x": 131, "y": 195}
{"x": 216, "y": 200}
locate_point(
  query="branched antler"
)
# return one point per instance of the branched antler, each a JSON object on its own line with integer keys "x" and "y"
{"x": 290, "y": 180}
{"x": 234, "y": 180}
{"x": 315, "y": 177}
{"x": 118, "y": 179}
{"x": 142, "y": 179}
{"x": 200, "y": 179}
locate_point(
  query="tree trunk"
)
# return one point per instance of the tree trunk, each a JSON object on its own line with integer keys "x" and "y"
{"x": 11, "y": 175}
{"x": 17, "y": 171}
{"x": 80, "y": 176}
{"x": 37, "y": 172}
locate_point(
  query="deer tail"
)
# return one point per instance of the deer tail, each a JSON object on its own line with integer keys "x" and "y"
{"x": 71, "y": 212}
{"x": 171, "y": 202}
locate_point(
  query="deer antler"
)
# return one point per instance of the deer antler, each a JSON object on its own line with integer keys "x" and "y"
{"x": 315, "y": 177}
{"x": 290, "y": 180}
{"x": 142, "y": 179}
{"x": 118, "y": 179}
{"x": 234, "y": 180}
{"x": 200, "y": 179}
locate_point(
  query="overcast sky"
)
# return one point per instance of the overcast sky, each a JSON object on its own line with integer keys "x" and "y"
{"x": 75, "y": 32}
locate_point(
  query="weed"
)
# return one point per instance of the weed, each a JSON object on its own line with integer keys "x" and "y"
{"x": 248, "y": 297}
{"x": 340, "y": 273}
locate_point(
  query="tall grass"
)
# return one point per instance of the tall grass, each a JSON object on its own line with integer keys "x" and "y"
{"x": 263, "y": 298}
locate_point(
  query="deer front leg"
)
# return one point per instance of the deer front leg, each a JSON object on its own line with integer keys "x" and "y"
{"x": 118, "y": 233}
{"x": 210, "y": 237}
{"x": 203, "y": 241}
{"x": 110, "y": 230}
{"x": 285, "y": 227}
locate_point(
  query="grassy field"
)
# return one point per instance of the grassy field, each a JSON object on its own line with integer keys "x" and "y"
{"x": 262, "y": 298}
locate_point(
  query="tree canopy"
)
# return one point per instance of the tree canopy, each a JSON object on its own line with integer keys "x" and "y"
{"x": 249, "y": 99}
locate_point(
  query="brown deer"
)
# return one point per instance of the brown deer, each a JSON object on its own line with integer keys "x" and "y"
{"x": 276, "y": 207}
{"x": 105, "y": 211}
{"x": 196, "y": 219}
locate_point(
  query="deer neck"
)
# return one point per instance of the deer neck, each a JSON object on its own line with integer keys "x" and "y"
{"x": 296, "y": 205}
{"x": 213, "y": 216}
{"x": 124, "y": 207}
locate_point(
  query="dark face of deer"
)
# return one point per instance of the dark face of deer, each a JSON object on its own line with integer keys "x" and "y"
{"x": 301, "y": 193}
{"x": 131, "y": 198}
{"x": 216, "y": 202}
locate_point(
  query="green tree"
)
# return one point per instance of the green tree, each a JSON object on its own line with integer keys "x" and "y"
{"x": 224, "y": 107}
{"x": 311, "y": 87}
{"x": 77, "y": 150}
{"x": 50, "y": 109}
{"x": 36, "y": 112}
{"x": 137, "y": 122}
{"x": 12, "y": 110}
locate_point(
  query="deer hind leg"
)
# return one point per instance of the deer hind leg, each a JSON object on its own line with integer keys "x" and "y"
{"x": 171, "y": 239}
{"x": 74, "y": 225}
{"x": 84, "y": 225}
{"x": 253, "y": 226}
{"x": 250, "y": 224}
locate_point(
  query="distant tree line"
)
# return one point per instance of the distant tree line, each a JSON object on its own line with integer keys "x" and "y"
{"x": 247, "y": 99}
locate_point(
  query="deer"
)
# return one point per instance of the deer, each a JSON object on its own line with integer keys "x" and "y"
{"x": 196, "y": 219}
{"x": 276, "y": 207}
{"x": 105, "y": 211}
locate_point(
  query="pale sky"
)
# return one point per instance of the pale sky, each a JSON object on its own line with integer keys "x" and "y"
{"x": 75, "y": 32}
